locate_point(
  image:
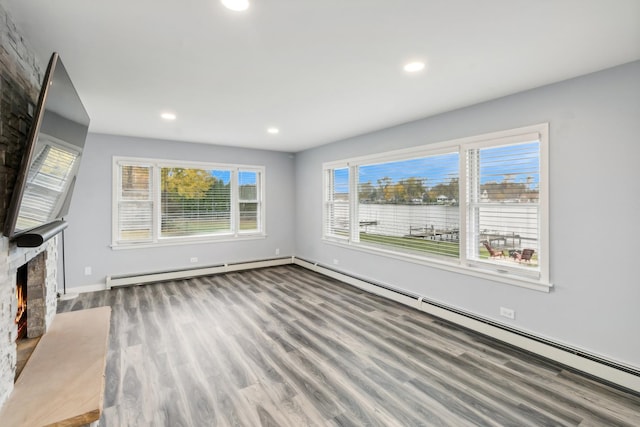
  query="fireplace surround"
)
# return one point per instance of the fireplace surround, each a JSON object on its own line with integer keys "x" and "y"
{"x": 41, "y": 271}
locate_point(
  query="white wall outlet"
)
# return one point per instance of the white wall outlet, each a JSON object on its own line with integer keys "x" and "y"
{"x": 509, "y": 313}
{"x": 336, "y": 262}
{"x": 277, "y": 251}
{"x": 194, "y": 259}
{"x": 87, "y": 271}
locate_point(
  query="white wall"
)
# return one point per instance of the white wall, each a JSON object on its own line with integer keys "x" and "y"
{"x": 594, "y": 203}
{"x": 88, "y": 237}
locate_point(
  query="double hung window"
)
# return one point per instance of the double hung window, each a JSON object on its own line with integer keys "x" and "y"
{"x": 161, "y": 201}
{"x": 336, "y": 205}
{"x": 478, "y": 204}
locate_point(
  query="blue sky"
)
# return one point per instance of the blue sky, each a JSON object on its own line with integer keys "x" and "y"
{"x": 244, "y": 177}
{"x": 436, "y": 169}
{"x": 224, "y": 176}
{"x": 518, "y": 162}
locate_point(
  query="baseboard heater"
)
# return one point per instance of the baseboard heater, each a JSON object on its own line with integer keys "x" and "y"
{"x": 163, "y": 276}
{"x": 614, "y": 373}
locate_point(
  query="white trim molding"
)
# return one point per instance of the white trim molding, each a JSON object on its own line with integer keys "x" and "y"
{"x": 142, "y": 278}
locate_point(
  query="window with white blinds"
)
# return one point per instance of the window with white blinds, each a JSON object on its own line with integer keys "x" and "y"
{"x": 158, "y": 202}
{"x": 194, "y": 201}
{"x": 336, "y": 221}
{"x": 503, "y": 204}
{"x": 135, "y": 203}
{"x": 478, "y": 203}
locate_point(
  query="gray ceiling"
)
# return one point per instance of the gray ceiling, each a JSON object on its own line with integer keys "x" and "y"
{"x": 318, "y": 70}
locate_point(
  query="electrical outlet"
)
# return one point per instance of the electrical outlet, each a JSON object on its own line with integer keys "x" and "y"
{"x": 508, "y": 313}
{"x": 277, "y": 251}
{"x": 87, "y": 271}
{"x": 194, "y": 259}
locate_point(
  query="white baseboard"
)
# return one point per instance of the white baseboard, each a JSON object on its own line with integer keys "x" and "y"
{"x": 574, "y": 358}
{"x": 86, "y": 288}
{"x": 138, "y": 279}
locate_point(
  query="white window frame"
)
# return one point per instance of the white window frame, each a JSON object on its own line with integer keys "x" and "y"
{"x": 157, "y": 240}
{"x": 500, "y": 272}
{"x": 258, "y": 200}
{"x": 329, "y": 203}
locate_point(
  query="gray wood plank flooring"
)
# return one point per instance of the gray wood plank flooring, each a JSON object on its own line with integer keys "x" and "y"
{"x": 284, "y": 346}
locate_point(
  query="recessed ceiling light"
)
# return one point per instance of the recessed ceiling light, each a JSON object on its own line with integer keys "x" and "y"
{"x": 273, "y": 131}
{"x": 168, "y": 116}
{"x": 237, "y": 5}
{"x": 414, "y": 67}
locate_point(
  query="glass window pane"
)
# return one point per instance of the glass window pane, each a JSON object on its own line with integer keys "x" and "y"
{"x": 248, "y": 185}
{"x": 411, "y": 205}
{"x": 136, "y": 182}
{"x": 194, "y": 202}
{"x": 248, "y": 216}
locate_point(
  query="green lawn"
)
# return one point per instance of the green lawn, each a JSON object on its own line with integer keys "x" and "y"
{"x": 436, "y": 247}
{"x": 186, "y": 227}
{"x": 190, "y": 227}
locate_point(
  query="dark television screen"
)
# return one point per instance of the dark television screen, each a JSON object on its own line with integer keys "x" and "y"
{"x": 52, "y": 155}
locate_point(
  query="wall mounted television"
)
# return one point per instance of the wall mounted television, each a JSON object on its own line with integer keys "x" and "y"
{"x": 49, "y": 166}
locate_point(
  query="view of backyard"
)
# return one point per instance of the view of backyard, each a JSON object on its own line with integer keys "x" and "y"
{"x": 436, "y": 247}
{"x": 413, "y": 205}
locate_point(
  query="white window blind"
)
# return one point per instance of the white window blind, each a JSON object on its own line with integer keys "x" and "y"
{"x": 135, "y": 204}
{"x": 249, "y": 200}
{"x": 194, "y": 202}
{"x": 503, "y": 204}
{"x": 336, "y": 203}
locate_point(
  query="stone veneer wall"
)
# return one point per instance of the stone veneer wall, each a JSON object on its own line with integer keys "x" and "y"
{"x": 20, "y": 81}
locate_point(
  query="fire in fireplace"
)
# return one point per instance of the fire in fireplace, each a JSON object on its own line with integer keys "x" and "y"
{"x": 21, "y": 297}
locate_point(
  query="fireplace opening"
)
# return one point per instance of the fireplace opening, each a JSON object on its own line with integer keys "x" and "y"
{"x": 21, "y": 297}
{"x": 31, "y": 307}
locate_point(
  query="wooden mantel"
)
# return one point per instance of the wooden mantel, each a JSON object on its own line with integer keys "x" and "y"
{"x": 63, "y": 381}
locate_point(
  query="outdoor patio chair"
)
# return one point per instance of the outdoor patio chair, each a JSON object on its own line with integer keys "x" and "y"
{"x": 493, "y": 253}
{"x": 525, "y": 255}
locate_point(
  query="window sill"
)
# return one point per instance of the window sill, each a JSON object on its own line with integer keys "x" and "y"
{"x": 453, "y": 265}
{"x": 188, "y": 241}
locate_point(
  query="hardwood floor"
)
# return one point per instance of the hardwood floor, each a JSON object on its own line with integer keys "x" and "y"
{"x": 284, "y": 346}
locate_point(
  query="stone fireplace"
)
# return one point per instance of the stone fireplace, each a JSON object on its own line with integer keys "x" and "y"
{"x": 20, "y": 81}
{"x": 39, "y": 265}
